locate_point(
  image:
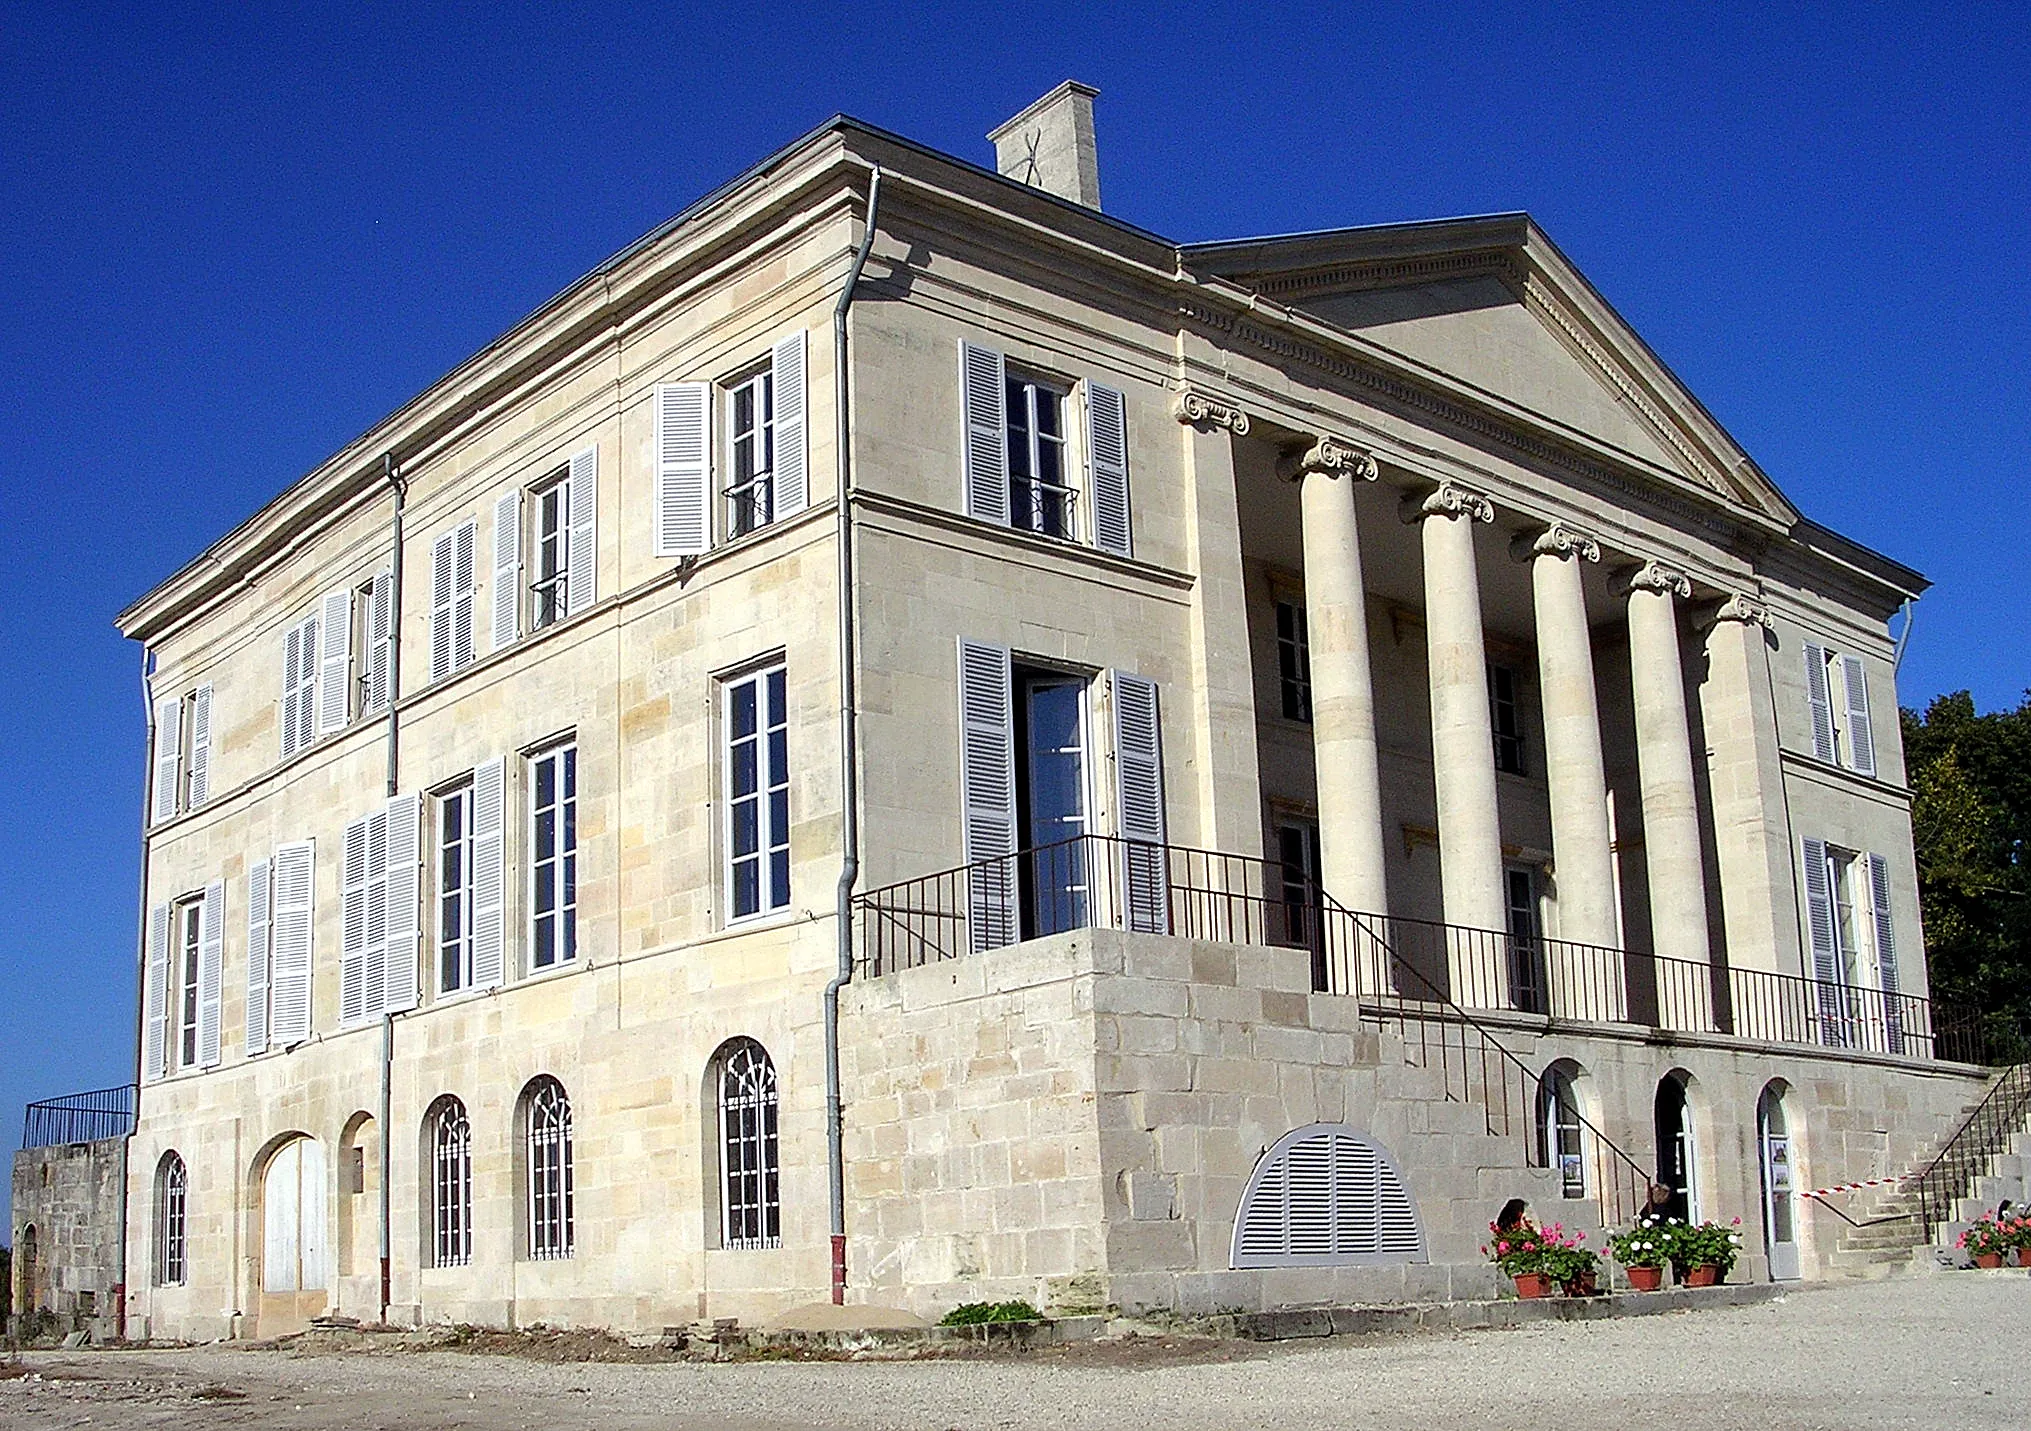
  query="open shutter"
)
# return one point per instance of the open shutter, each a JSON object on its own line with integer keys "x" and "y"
{"x": 211, "y": 968}
{"x": 257, "y": 957}
{"x": 1861, "y": 734}
{"x": 792, "y": 454}
{"x": 155, "y": 1014}
{"x": 489, "y": 874}
{"x": 581, "y": 506}
{"x": 334, "y": 661}
{"x": 200, "y": 746}
{"x": 404, "y": 894}
{"x": 291, "y": 890}
{"x": 466, "y": 578}
{"x": 1886, "y": 954}
{"x": 1107, "y": 467}
{"x": 443, "y": 594}
{"x": 1826, "y": 957}
{"x": 380, "y": 642}
{"x": 507, "y": 568}
{"x": 987, "y": 791}
{"x": 683, "y": 469}
{"x": 353, "y": 871}
{"x": 1820, "y": 699}
{"x": 983, "y": 386}
{"x": 168, "y": 758}
{"x": 299, "y": 685}
{"x": 1139, "y": 802}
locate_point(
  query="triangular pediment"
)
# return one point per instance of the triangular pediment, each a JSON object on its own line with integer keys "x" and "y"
{"x": 1490, "y": 304}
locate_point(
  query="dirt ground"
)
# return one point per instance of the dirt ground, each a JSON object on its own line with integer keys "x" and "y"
{"x": 1947, "y": 1351}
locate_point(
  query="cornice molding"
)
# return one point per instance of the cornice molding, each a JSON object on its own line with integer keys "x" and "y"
{"x": 1293, "y": 287}
{"x": 1197, "y": 409}
{"x": 1451, "y": 499}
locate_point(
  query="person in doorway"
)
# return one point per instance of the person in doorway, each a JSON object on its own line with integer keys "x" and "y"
{"x": 1661, "y": 1202}
{"x": 1514, "y": 1217}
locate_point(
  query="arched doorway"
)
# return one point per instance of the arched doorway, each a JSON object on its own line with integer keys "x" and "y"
{"x": 1676, "y": 1167}
{"x": 295, "y": 1218}
{"x": 25, "y": 1269}
{"x": 1780, "y": 1211}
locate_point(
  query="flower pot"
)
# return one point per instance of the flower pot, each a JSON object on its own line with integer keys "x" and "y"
{"x": 1587, "y": 1284}
{"x": 1533, "y": 1284}
{"x": 1645, "y": 1279}
{"x": 1704, "y": 1275}
{"x": 1989, "y": 1260}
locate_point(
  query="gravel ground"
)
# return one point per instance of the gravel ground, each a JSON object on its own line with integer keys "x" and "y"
{"x": 1945, "y": 1351}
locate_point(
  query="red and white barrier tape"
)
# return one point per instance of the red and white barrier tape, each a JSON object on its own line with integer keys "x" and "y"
{"x": 1855, "y": 1187}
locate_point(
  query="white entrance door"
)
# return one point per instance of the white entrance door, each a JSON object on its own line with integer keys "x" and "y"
{"x": 1780, "y": 1224}
{"x": 294, "y": 1212}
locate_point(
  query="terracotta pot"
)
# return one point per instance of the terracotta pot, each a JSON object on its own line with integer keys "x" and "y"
{"x": 1533, "y": 1284}
{"x": 1646, "y": 1279}
{"x": 1587, "y": 1284}
{"x": 1704, "y": 1275}
{"x": 1989, "y": 1260}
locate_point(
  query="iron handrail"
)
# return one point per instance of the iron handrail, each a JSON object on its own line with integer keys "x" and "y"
{"x": 80, "y": 1117}
{"x": 1944, "y": 1181}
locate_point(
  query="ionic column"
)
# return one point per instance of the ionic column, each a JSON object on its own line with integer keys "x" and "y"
{"x": 1343, "y": 695}
{"x": 1671, "y": 827}
{"x": 1575, "y": 772}
{"x": 1463, "y": 740}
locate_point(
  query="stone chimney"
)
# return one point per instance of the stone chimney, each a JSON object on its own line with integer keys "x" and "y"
{"x": 1049, "y": 146}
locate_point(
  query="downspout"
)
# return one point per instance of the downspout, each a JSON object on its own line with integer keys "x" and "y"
{"x": 393, "y": 474}
{"x": 140, "y": 979}
{"x": 849, "y": 783}
{"x": 1903, "y": 637}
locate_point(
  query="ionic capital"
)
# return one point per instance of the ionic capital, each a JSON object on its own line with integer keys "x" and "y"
{"x": 1193, "y": 407}
{"x": 1450, "y": 500}
{"x": 1655, "y": 576}
{"x": 1740, "y": 606}
{"x": 1333, "y": 456}
{"x": 1556, "y": 540}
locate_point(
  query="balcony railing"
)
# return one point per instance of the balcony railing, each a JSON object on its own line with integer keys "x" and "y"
{"x": 79, "y": 1117}
{"x": 1098, "y": 881}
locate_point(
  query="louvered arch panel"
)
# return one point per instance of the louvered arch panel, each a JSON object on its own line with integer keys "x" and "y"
{"x": 1327, "y": 1195}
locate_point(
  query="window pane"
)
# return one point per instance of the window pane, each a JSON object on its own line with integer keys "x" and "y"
{"x": 744, "y": 772}
{"x": 746, "y": 827}
{"x": 743, "y": 710}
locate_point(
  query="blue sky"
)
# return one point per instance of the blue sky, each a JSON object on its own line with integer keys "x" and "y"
{"x": 236, "y": 236}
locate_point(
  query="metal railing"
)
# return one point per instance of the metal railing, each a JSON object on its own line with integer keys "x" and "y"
{"x": 80, "y": 1117}
{"x": 1972, "y": 1149}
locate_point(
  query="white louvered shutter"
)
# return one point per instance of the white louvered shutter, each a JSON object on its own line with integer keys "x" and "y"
{"x": 983, "y": 386}
{"x": 507, "y": 594}
{"x": 489, "y": 874}
{"x": 1324, "y": 1197}
{"x": 683, "y": 469}
{"x": 1820, "y": 699}
{"x": 168, "y": 758}
{"x": 1107, "y": 467}
{"x": 299, "y": 685}
{"x": 354, "y": 867}
{"x": 987, "y": 792}
{"x": 1861, "y": 734}
{"x": 405, "y": 897}
{"x": 374, "y": 964}
{"x": 155, "y": 1013}
{"x": 1886, "y": 953}
{"x": 793, "y": 455}
{"x": 211, "y": 970}
{"x": 443, "y": 598}
{"x": 466, "y": 579}
{"x": 257, "y": 957}
{"x": 1139, "y": 802}
{"x": 334, "y": 661}
{"x": 292, "y": 891}
{"x": 581, "y": 507}
{"x": 200, "y": 746}
{"x": 380, "y": 642}
{"x": 1826, "y": 955}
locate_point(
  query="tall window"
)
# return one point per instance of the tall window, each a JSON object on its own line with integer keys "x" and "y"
{"x": 1051, "y": 792}
{"x": 1558, "y": 1130}
{"x": 751, "y": 440}
{"x": 550, "y": 575}
{"x": 450, "y": 1183}
{"x": 189, "y": 936}
{"x": 756, "y": 720}
{"x": 1039, "y": 499}
{"x": 1297, "y": 847}
{"x": 1844, "y": 884}
{"x": 1505, "y": 714}
{"x": 171, "y": 1194}
{"x": 553, "y": 849}
{"x": 454, "y": 889}
{"x": 1526, "y": 950}
{"x": 547, "y": 1117}
{"x": 1294, "y": 660}
{"x": 751, "y": 1206}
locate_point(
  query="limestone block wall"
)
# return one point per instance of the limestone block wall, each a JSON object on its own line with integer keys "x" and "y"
{"x": 66, "y": 1233}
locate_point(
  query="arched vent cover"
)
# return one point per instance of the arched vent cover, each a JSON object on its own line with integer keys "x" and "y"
{"x": 1327, "y": 1196}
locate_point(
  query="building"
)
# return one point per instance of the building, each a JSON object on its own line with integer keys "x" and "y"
{"x": 1338, "y": 736}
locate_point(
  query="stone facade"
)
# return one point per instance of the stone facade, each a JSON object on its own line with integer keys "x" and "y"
{"x": 1368, "y": 426}
{"x": 68, "y": 1203}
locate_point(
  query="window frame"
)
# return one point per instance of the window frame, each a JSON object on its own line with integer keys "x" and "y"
{"x": 750, "y": 1148}
{"x": 1027, "y": 488}
{"x": 551, "y": 588}
{"x": 1294, "y": 659}
{"x": 547, "y": 1170}
{"x": 450, "y": 1185}
{"x": 1505, "y": 719}
{"x": 758, "y": 380}
{"x": 187, "y": 935}
{"x": 564, "y": 754}
{"x": 770, "y": 898}
{"x": 460, "y": 795}
{"x": 172, "y": 1221}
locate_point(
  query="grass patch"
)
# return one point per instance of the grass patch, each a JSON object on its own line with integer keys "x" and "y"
{"x": 973, "y": 1314}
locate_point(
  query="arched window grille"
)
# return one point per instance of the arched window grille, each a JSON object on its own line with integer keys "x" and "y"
{"x": 450, "y": 1183}
{"x": 1560, "y": 1144}
{"x": 172, "y": 1184}
{"x": 751, "y": 1209}
{"x": 1327, "y": 1196}
{"x": 547, "y": 1113}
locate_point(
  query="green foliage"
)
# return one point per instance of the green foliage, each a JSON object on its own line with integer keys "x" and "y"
{"x": 1970, "y": 776}
{"x": 973, "y": 1314}
{"x": 1647, "y": 1244}
{"x": 1997, "y": 1236}
{"x": 1525, "y": 1249}
{"x": 1703, "y": 1244}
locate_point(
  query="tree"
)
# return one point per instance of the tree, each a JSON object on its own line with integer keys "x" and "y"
{"x": 1971, "y": 824}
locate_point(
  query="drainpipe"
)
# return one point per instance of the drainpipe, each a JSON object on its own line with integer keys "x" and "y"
{"x": 140, "y": 980}
{"x": 849, "y": 784}
{"x": 1903, "y": 637}
{"x": 393, "y": 475}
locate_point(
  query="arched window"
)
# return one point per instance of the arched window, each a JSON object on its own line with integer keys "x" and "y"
{"x": 172, "y": 1268}
{"x": 1559, "y": 1143}
{"x": 450, "y": 1137}
{"x": 546, "y": 1115}
{"x": 1327, "y": 1196}
{"x": 751, "y": 1207}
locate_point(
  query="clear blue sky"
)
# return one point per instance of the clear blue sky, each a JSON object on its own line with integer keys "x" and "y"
{"x": 236, "y": 236}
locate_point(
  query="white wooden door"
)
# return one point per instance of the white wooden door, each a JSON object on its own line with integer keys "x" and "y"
{"x": 1780, "y": 1210}
{"x": 294, "y": 1208}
